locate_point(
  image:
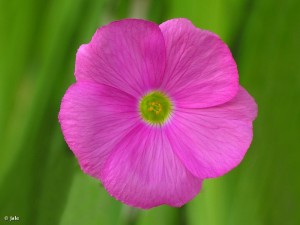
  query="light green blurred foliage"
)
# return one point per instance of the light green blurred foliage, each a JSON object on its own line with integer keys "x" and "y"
{"x": 40, "y": 180}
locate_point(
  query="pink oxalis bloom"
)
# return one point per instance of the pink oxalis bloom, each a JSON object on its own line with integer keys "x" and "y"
{"x": 155, "y": 110}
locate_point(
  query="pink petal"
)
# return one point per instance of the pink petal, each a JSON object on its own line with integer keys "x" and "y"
{"x": 212, "y": 141}
{"x": 128, "y": 54}
{"x": 94, "y": 118}
{"x": 144, "y": 171}
{"x": 200, "y": 71}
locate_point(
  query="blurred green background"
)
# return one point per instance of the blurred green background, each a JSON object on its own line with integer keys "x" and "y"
{"x": 40, "y": 180}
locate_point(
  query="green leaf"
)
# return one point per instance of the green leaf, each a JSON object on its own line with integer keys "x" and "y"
{"x": 89, "y": 203}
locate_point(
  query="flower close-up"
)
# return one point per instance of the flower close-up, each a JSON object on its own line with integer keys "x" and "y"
{"x": 155, "y": 110}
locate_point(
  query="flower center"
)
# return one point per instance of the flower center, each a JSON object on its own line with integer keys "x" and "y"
{"x": 155, "y": 107}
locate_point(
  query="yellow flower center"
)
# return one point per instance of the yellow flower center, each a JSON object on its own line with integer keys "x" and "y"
{"x": 155, "y": 107}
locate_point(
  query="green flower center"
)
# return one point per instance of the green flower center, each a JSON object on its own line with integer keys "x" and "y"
{"x": 155, "y": 107}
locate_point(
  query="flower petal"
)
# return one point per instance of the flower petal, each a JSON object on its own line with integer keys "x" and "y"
{"x": 212, "y": 141}
{"x": 144, "y": 171}
{"x": 200, "y": 71}
{"x": 128, "y": 54}
{"x": 93, "y": 119}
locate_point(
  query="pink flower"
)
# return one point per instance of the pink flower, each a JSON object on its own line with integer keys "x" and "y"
{"x": 155, "y": 110}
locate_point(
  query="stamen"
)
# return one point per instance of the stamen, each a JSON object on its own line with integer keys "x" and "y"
{"x": 155, "y": 107}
